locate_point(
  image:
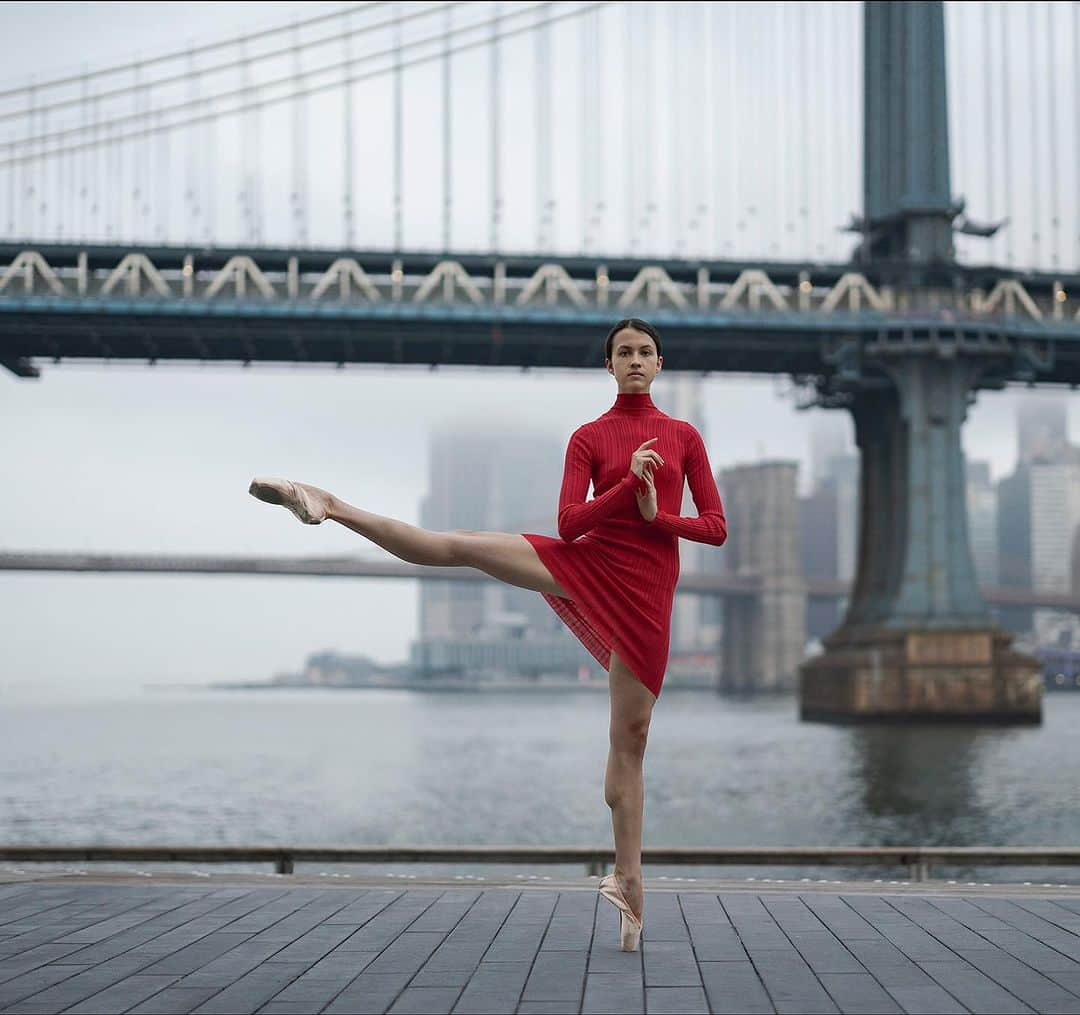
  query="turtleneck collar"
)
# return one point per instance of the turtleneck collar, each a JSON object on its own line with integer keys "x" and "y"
{"x": 634, "y": 401}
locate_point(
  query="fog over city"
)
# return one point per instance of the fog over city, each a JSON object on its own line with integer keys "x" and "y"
{"x": 158, "y": 460}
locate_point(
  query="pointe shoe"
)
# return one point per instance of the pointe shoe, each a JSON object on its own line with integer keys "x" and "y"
{"x": 310, "y": 510}
{"x": 629, "y": 925}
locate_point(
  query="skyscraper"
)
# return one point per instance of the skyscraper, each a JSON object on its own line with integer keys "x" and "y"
{"x": 982, "y": 522}
{"x": 764, "y": 635}
{"x": 506, "y": 480}
{"x": 1041, "y": 429}
{"x": 1038, "y": 518}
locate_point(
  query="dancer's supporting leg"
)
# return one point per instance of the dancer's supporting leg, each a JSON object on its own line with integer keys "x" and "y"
{"x": 631, "y": 711}
{"x": 508, "y": 556}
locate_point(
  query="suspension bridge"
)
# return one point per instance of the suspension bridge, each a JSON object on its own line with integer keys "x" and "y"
{"x": 487, "y": 184}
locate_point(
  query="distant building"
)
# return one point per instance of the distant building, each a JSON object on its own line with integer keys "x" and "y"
{"x": 501, "y": 480}
{"x": 489, "y": 656}
{"x": 1042, "y": 430}
{"x": 982, "y": 513}
{"x": 818, "y": 553}
{"x": 764, "y": 636}
{"x": 843, "y": 474}
{"x": 829, "y": 438}
{"x": 829, "y": 525}
{"x": 1038, "y": 518}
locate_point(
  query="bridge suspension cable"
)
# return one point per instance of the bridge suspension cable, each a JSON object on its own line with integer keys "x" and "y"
{"x": 297, "y": 90}
{"x": 185, "y": 54}
{"x": 293, "y": 51}
{"x": 244, "y": 60}
{"x": 724, "y": 130}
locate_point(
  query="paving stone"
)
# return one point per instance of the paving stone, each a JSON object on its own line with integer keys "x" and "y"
{"x": 188, "y": 958}
{"x": 425, "y": 1001}
{"x": 734, "y": 987}
{"x": 446, "y": 912}
{"x": 858, "y": 993}
{"x": 385, "y": 924}
{"x": 1032, "y": 987}
{"x": 614, "y": 993}
{"x": 33, "y": 958}
{"x": 557, "y": 975}
{"x": 253, "y": 989}
{"x": 676, "y": 1000}
{"x": 340, "y": 963}
{"x": 670, "y": 964}
{"x": 230, "y": 966}
{"x": 406, "y": 953}
{"x": 494, "y": 988}
{"x": 174, "y": 1000}
{"x": 534, "y": 906}
{"x": 123, "y": 995}
{"x": 369, "y": 993}
{"x": 545, "y": 1008}
{"x": 515, "y": 942}
{"x": 973, "y": 989}
{"x": 790, "y": 982}
{"x": 926, "y": 1000}
{"x": 36, "y": 980}
{"x": 571, "y": 922}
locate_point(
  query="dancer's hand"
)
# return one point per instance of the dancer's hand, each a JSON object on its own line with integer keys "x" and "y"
{"x": 645, "y": 457}
{"x": 646, "y": 502}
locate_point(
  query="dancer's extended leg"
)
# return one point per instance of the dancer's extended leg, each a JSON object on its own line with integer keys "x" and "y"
{"x": 624, "y": 785}
{"x": 510, "y": 557}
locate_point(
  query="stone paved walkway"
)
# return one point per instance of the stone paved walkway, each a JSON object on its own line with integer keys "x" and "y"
{"x": 292, "y": 944}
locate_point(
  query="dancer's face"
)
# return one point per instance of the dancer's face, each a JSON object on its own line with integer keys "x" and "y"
{"x": 634, "y": 361}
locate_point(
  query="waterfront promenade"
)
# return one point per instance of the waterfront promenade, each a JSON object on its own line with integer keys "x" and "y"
{"x": 219, "y": 942}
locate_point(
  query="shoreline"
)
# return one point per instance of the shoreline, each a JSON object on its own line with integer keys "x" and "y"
{"x": 420, "y": 685}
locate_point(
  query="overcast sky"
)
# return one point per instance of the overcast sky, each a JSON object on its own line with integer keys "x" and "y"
{"x": 131, "y": 458}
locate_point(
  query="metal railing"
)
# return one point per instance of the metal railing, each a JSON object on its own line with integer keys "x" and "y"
{"x": 918, "y": 859}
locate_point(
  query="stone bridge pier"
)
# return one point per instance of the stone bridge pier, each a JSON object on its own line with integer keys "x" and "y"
{"x": 917, "y": 642}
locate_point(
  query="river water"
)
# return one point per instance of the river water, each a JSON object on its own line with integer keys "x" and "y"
{"x": 360, "y": 767}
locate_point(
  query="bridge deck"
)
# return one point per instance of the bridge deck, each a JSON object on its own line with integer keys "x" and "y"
{"x": 235, "y": 943}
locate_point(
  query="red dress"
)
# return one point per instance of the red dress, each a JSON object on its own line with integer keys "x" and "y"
{"x": 619, "y": 569}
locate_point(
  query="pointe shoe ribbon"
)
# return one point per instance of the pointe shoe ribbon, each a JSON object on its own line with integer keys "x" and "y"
{"x": 629, "y": 924}
{"x": 292, "y": 495}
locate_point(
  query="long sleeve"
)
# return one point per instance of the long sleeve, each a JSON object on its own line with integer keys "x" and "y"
{"x": 576, "y": 516}
{"x": 710, "y": 526}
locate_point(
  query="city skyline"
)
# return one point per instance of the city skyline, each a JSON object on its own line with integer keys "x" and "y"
{"x": 180, "y": 485}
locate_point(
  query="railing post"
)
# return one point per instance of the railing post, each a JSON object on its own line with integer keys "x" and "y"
{"x": 397, "y": 278}
{"x": 919, "y": 870}
{"x": 285, "y": 863}
{"x": 595, "y": 866}
{"x": 293, "y": 278}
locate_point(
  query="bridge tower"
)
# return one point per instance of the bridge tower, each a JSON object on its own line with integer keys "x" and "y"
{"x": 918, "y": 642}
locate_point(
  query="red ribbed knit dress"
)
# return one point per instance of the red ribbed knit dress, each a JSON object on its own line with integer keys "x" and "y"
{"x": 619, "y": 569}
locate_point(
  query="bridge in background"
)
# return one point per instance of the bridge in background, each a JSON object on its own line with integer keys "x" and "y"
{"x": 693, "y": 583}
{"x": 117, "y": 249}
{"x": 819, "y": 322}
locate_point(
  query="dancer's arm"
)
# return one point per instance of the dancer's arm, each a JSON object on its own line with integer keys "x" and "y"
{"x": 576, "y": 515}
{"x": 710, "y": 526}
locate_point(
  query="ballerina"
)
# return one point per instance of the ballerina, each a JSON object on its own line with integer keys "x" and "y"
{"x": 610, "y": 575}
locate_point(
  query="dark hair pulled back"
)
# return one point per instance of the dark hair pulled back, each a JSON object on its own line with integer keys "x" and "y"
{"x": 638, "y": 325}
